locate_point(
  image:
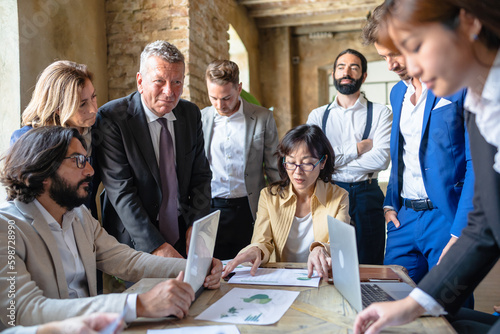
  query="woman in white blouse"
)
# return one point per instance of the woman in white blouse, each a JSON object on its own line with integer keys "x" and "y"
{"x": 292, "y": 214}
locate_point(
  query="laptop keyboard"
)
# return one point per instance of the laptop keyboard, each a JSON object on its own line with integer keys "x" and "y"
{"x": 372, "y": 293}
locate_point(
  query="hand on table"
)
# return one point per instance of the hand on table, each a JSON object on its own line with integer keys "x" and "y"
{"x": 253, "y": 255}
{"x": 320, "y": 260}
{"x": 380, "y": 315}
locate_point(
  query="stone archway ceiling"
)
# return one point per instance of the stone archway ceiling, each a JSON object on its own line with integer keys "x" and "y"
{"x": 310, "y": 16}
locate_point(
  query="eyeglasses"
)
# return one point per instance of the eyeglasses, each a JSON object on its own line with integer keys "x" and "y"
{"x": 304, "y": 167}
{"x": 80, "y": 159}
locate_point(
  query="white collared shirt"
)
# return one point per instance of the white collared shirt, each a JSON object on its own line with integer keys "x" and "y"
{"x": 155, "y": 130}
{"x": 345, "y": 128}
{"x": 487, "y": 109}
{"x": 227, "y": 155}
{"x": 411, "y": 123}
{"x": 66, "y": 244}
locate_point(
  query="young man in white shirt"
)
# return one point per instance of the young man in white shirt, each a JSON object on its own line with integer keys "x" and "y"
{"x": 240, "y": 142}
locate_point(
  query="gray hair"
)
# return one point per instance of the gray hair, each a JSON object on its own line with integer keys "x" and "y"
{"x": 163, "y": 49}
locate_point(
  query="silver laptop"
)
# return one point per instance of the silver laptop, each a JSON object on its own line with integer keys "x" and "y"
{"x": 345, "y": 270}
{"x": 201, "y": 250}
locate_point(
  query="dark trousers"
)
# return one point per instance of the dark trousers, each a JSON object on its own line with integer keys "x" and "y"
{"x": 235, "y": 226}
{"x": 474, "y": 322}
{"x": 366, "y": 202}
{"x": 180, "y": 245}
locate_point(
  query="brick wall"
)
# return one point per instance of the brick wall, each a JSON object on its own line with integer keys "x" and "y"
{"x": 194, "y": 26}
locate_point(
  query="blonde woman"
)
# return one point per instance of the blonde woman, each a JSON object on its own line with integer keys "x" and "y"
{"x": 63, "y": 95}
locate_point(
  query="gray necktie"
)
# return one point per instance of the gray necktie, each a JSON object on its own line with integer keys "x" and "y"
{"x": 169, "y": 226}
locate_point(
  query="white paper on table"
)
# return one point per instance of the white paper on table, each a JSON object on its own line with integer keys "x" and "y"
{"x": 224, "y": 329}
{"x": 238, "y": 267}
{"x": 250, "y": 306}
{"x": 276, "y": 276}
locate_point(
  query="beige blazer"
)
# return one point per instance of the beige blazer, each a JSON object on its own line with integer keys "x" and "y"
{"x": 261, "y": 140}
{"x": 41, "y": 291}
{"x": 275, "y": 217}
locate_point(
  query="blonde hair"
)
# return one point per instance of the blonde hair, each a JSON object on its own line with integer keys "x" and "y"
{"x": 58, "y": 88}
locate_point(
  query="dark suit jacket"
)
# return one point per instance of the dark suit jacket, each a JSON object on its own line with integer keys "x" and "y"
{"x": 477, "y": 250}
{"x": 445, "y": 160}
{"x": 131, "y": 176}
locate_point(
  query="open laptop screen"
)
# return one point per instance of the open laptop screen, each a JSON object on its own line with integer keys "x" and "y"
{"x": 201, "y": 250}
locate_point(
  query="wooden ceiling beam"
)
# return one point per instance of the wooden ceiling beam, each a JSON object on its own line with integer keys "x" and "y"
{"x": 307, "y": 20}
{"x": 309, "y": 9}
{"x": 254, "y": 3}
{"x": 329, "y": 27}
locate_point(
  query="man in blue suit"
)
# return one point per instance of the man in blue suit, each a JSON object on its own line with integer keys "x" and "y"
{"x": 430, "y": 188}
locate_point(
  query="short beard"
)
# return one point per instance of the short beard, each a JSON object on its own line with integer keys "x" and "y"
{"x": 66, "y": 195}
{"x": 350, "y": 88}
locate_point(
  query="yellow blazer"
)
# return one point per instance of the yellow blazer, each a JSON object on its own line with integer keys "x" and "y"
{"x": 275, "y": 217}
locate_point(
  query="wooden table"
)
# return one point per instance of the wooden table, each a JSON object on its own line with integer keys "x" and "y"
{"x": 316, "y": 310}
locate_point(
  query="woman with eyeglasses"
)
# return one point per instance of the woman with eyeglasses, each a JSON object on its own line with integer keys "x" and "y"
{"x": 64, "y": 95}
{"x": 292, "y": 215}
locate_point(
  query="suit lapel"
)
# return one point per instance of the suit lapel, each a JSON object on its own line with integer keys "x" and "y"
{"x": 86, "y": 254}
{"x": 429, "y": 104}
{"x": 41, "y": 226}
{"x": 210, "y": 127}
{"x": 250, "y": 122}
{"x": 397, "y": 140}
{"x": 180, "y": 140}
{"x": 139, "y": 127}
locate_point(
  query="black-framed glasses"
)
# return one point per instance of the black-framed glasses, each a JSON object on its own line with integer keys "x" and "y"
{"x": 304, "y": 167}
{"x": 80, "y": 160}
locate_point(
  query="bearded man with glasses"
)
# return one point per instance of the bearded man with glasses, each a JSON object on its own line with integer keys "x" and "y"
{"x": 51, "y": 246}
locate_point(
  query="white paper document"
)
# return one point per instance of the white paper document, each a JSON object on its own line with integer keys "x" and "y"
{"x": 275, "y": 276}
{"x": 238, "y": 267}
{"x": 250, "y": 306}
{"x": 225, "y": 329}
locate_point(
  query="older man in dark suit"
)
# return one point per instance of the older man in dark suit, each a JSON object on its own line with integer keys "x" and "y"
{"x": 152, "y": 160}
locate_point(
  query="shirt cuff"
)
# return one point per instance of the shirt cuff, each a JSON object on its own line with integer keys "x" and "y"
{"x": 431, "y": 306}
{"x": 351, "y": 151}
{"x": 131, "y": 304}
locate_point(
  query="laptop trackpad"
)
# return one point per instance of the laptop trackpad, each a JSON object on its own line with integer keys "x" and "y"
{"x": 396, "y": 290}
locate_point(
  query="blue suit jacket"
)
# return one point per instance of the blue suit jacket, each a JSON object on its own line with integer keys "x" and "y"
{"x": 445, "y": 160}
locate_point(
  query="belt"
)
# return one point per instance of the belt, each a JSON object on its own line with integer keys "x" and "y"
{"x": 224, "y": 202}
{"x": 353, "y": 184}
{"x": 419, "y": 204}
